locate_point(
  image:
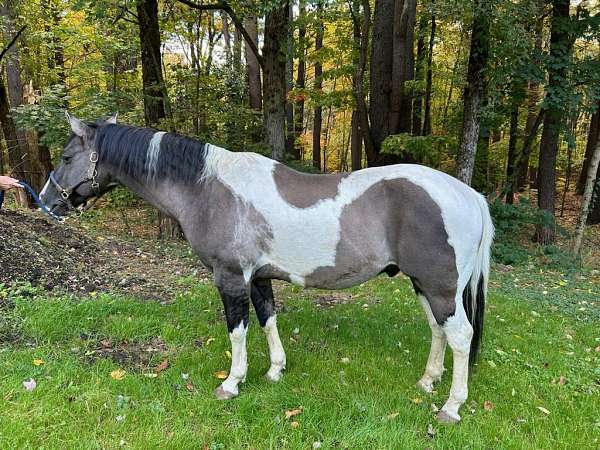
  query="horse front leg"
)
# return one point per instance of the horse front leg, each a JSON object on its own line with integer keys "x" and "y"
{"x": 264, "y": 305}
{"x": 235, "y": 293}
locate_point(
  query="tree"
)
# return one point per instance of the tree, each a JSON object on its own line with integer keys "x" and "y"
{"x": 276, "y": 25}
{"x": 392, "y": 65}
{"x": 252, "y": 65}
{"x": 560, "y": 53}
{"x": 587, "y": 197}
{"x": 318, "y": 85}
{"x": 474, "y": 91}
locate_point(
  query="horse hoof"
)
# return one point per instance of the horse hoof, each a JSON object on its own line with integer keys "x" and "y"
{"x": 426, "y": 386}
{"x": 222, "y": 394}
{"x": 273, "y": 378}
{"x": 447, "y": 418}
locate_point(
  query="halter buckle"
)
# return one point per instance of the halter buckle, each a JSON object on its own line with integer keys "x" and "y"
{"x": 94, "y": 157}
{"x": 64, "y": 194}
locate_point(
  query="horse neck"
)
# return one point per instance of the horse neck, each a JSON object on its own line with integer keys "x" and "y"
{"x": 164, "y": 195}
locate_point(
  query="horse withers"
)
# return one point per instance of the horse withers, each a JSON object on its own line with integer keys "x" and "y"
{"x": 251, "y": 219}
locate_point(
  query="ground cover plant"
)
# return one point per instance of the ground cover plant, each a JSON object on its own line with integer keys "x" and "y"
{"x": 116, "y": 370}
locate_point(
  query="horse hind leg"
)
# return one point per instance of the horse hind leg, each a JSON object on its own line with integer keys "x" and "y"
{"x": 435, "y": 362}
{"x": 264, "y": 305}
{"x": 459, "y": 334}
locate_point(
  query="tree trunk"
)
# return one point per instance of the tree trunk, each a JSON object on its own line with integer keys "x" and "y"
{"x": 560, "y": 50}
{"x": 512, "y": 159}
{"x": 420, "y": 70}
{"x": 9, "y": 130}
{"x": 429, "y": 80}
{"x": 300, "y": 80}
{"x": 276, "y": 24}
{"x": 593, "y": 141}
{"x": 153, "y": 88}
{"x": 237, "y": 51}
{"x": 593, "y": 135}
{"x": 226, "y": 39}
{"x": 587, "y": 197}
{"x": 290, "y": 148}
{"x": 318, "y": 84}
{"x": 474, "y": 92}
{"x": 356, "y": 143}
{"x": 252, "y": 65}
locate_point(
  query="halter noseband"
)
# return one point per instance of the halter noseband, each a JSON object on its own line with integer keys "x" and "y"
{"x": 92, "y": 174}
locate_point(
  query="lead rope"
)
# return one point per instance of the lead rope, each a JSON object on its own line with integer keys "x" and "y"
{"x": 37, "y": 200}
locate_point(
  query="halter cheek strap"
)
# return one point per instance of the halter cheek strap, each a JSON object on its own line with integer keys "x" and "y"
{"x": 92, "y": 175}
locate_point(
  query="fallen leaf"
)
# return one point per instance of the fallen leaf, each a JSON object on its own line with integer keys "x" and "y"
{"x": 38, "y": 362}
{"x": 228, "y": 354}
{"x": 416, "y": 400}
{"x": 345, "y": 360}
{"x": 190, "y": 386}
{"x": 488, "y": 406}
{"x": 295, "y": 424}
{"x": 598, "y": 349}
{"x": 208, "y": 341}
{"x": 29, "y": 385}
{"x": 294, "y": 412}
{"x": 544, "y": 410}
{"x": 562, "y": 380}
{"x": 118, "y": 374}
{"x": 392, "y": 416}
{"x": 164, "y": 365}
{"x": 316, "y": 444}
{"x": 150, "y": 375}
{"x": 221, "y": 374}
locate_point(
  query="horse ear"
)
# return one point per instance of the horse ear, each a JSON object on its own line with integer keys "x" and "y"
{"x": 78, "y": 126}
{"x": 113, "y": 119}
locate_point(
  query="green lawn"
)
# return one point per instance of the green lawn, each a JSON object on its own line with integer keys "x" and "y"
{"x": 367, "y": 401}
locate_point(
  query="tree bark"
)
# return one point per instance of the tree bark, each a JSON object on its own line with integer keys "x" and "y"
{"x": 252, "y": 66}
{"x": 474, "y": 91}
{"x": 420, "y": 70}
{"x": 512, "y": 158}
{"x": 300, "y": 79}
{"x": 587, "y": 197}
{"x": 429, "y": 80}
{"x": 290, "y": 148}
{"x": 276, "y": 24}
{"x": 593, "y": 135}
{"x": 356, "y": 143}
{"x": 592, "y": 143}
{"x": 318, "y": 84}
{"x": 560, "y": 50}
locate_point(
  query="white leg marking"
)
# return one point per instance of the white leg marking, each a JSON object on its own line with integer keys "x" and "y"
{"x": 276, "y": 351}
{"x": 153, "y": 153}
{"x": 239, "y": 360}
{"x": 435, "y": 362}
{"x": 459, "y": 333}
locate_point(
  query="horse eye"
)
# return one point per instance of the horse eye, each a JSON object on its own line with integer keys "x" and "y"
{"x": 67, "y": 159}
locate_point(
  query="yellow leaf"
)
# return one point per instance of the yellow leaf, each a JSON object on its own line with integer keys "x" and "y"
{"x": 416, "y": 400}
{"x": 392, "y": 416}
{"x": 118, "y": 374}
{"x": 208, "y": 341}
{"x": 38, "y": 362}
{"x": 221, "y": 374}
{"x": 544, "y": 410}
{"x": 228, "y": 354}
{"x": 295, "y": 424}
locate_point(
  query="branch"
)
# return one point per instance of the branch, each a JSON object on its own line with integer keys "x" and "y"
{"x": 11, "y": 43}
{"x": 224, "y": 6}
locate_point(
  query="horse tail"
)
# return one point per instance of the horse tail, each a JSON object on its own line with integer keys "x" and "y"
{"x": 475, "y": 292}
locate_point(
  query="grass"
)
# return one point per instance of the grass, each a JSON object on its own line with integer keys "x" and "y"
{"x": 370, "y": 402}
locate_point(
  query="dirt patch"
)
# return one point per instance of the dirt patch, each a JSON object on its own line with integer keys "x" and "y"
{"x": 133, "y": 355}
{"x": 52, "y": 255}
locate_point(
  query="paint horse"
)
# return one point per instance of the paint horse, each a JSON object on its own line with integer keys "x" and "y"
{"x": 251, "y": 220}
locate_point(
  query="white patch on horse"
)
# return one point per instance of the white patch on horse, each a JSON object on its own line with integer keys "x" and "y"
{"x": 305, "y": 239}
{"x": 45, "y": 188}
{"x": 152, "y": 153}
{"x": 239, "y": 360}
{"x": 276, "y": 352}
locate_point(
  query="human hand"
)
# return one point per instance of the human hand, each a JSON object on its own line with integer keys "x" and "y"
{"x": 7, "y": 183}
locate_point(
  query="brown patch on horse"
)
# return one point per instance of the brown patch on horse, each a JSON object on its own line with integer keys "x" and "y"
{"x": 415, "y": 240}
{"x": 303, "y": 190}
